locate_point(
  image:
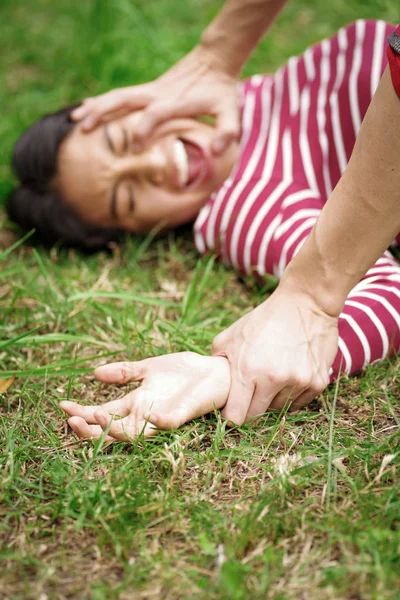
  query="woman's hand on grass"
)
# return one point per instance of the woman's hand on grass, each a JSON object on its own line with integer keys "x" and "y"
{"x": 280, "y": 354}
{"x": 197, "y": 85}
{"x": 175, "y": 388}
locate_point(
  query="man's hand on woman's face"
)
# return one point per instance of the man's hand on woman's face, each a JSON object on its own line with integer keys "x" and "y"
{"x": 280, "y": 354}
{"x": 175, "y": 389}
{"x": 197, "y": 85}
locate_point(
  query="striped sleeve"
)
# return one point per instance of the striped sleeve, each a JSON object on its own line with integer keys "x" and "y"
{"x": 393, "y": 54}
{"x": 369, "y": 326}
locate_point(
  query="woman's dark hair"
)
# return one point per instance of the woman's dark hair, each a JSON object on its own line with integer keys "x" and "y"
{"x": 35, "y": 204}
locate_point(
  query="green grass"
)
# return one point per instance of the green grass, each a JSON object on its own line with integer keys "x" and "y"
{"x": 203, "y": 512}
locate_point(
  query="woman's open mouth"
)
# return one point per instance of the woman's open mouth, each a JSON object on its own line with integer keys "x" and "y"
{"x": 192, "y": 163}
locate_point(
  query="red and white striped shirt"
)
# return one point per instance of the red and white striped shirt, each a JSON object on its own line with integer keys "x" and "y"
{"x": 298, "y": 131}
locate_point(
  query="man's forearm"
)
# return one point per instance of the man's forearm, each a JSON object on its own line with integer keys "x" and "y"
{"x": 237, "y": 29}
{"x": 362, "y": 215}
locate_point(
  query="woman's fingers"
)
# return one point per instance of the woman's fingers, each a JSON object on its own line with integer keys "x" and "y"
{"x": 119, "y": 408}
{"x": 85, "y": 431}
{"x": 125, "y": 429}
{"x": 73, "y": 409}
{"x": 122, "y": 372}
{"x": 173, "y": 420}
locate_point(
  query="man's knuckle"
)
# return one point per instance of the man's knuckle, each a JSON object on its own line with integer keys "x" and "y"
{"x": 218, "y": 343}
{"x": 295, "y": 406}
{"x": 215, "y": 347}
{"x": 96, "y": 111}
{"x": 318, "y": 387}
{"x": 217, "y": 340}
{"x": 149, "y": 112}
{"x": 247, "y": 370}
{"x": 155, "y": 110}
{"x": 303, "y": 381}
{"x": 124, "y": 93}
{"x": 277, "y": 378}
{"x": 116, "y": 92}
{"x": 278, "y": 404}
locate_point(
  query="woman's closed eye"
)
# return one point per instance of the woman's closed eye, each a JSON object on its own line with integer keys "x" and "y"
{"x": 117, "y": 139}
{"x": 122, "y": 200}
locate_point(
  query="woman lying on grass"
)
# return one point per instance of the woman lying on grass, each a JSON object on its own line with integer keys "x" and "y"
{"x": 253, "y": 206}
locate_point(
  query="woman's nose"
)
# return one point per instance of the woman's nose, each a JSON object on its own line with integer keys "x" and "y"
{"x": 151, "y": 164}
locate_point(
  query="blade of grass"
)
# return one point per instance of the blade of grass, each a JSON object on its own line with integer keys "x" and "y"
{"x": 330, "y": 446}
{"x": 16, "y": 244}
{"x": 16, "y": 339}
{"x": 127, "y": 296}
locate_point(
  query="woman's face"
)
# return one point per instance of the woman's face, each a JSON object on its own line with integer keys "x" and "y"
{"x": 107, "y": 184}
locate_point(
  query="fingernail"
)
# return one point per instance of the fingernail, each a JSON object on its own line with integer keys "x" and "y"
{"x": 218, "y": 146}
{"x": 78, "y": 113}
{"x": 87, "y": 124}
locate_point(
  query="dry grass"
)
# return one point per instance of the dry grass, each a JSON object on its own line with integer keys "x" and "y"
{"x": 281, "y": 510}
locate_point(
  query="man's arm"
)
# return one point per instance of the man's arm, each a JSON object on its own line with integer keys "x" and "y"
{"x": 237, "y": 30}
{"x": 204, "y": 82}
{"x": 282, "y": 351}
